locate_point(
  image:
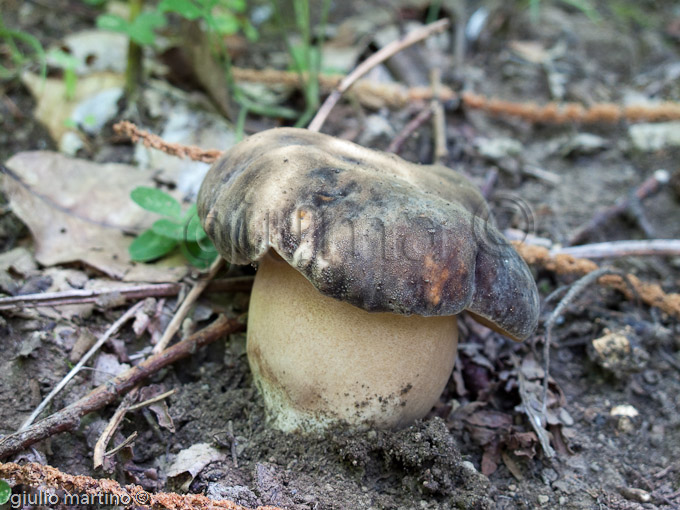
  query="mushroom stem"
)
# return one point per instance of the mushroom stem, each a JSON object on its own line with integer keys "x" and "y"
{"x": 318, "y": 361}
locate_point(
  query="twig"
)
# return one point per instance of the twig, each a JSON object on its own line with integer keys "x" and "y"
{"x": 421, "y": 118}
{"x": 438, "y": 118}
{"x": 152, "y": 400}
{"x": 128, "y": 440}
{"x": 69, "y": 417}
{"x": 174, "y": 149}
{"x": 188, "y": 302}
{"x": 649, "y": 293}
{"x": 102, "y": 340}
{"x": 576, "y": 288}
{"x": 370, "y": 63}
{"x": 533, "y": 414}
{"x": 648, "y": 188}
{"x": 36, "y": 476}
{"x": 79, "y": 296}
{"x": 665, "y": 247}
{"x": 554, "y": 113}
{"x": 114, "y": 422}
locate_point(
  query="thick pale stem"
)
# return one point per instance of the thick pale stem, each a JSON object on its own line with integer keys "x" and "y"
{"x": 317, "y": 360}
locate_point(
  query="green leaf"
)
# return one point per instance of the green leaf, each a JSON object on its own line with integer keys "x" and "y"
{"x": 141, "y": 30}
{"x": 5, "y": 492}
{"x": 95, "y": 2}
{"x": 168, "y": 228}
{"x": 113, "y": 23}
{"x": 225, "y": 23}
{"x": 150, "y": 246}
{"x": 198, "y": 255}
{"x": 185, "y": 8}
{"x": 157, "y": 201}
{"x": 192, "y": 225}
{"x": 62, "y": 59}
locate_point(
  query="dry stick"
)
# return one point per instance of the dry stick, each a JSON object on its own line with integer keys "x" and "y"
{"x": 102, "y": 340}
{"x": 36, "y": 476}
{"x": 650, "y": 293}
{"x": 69, "y": 417}
{"x": 438, "y": 118}
{"x": 188, "y": 302}
{"x": 576, "y": 288}
{"x": 192, "y": 152}
{"x": 79, "y": 296}
{"x": 152, "y": 400}
{"x": 648, "y": 188}
{"x": 663, "y": 247}
{"x": 421, "y": 118}
{"x": 107, "y": 434}
{"x": 370, "y": 63}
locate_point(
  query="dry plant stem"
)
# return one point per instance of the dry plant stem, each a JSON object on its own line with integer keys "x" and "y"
{"x": 153, "y": 400}
{"x": 128, "y": 440}
{"x": 392, "y": 95}
{"x": 578, "y": 287}
{"x": 114, "y": 422}
{"x": 186, "y": 305}
{"x": 102, "y": 340}
{"x": 37, "y": 476}
{"x": 648, "y": 188}
{"x": 615, "y": 249}
{"x": 563, "y": 264}
{"x": 69, "y": 417}
{"x": 414, "y": 124}
{"x": 554, "y": 113}
{"x": 438, "y": 118}
{"x": 156, "y": 142}
{"x": 79, "y": 296}
{"x": 368, "y": 64}
{"x": 536, "y": 418}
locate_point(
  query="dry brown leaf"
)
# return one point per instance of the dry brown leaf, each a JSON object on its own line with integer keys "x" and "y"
{"x": 78, "y": 211}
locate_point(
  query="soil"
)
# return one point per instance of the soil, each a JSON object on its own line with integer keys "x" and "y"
{"x": 602, "y": 461}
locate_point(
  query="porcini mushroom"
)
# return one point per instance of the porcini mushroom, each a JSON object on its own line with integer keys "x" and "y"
{"x": 364, "y": 262}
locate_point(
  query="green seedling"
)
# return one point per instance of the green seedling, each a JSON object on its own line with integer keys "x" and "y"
{"x": 17, "y": 43}
{"x": 140, "y": 30}
{"x": 222, "y": 17}
{"x": 68, "y": 64}
{"x": 5, "y": 492}
{"x": 176, "y": 228}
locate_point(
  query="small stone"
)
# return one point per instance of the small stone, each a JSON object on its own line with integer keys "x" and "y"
{"x": 543, "y": 499}
{"x": 468, "y": 466}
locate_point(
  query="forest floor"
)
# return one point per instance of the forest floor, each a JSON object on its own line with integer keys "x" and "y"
{"x": 477, "y": 448}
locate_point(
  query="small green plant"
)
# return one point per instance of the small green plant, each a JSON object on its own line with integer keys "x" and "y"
{"x": 23, "y": 49}
{"x": 68, "y": 64}
{"x": 141, "y": 29}
{"x": 5, "y": 492}
{"x": 176, "y": 228}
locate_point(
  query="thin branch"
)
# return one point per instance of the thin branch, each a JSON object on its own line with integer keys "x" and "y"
{"x": 650, "y": 293}
{"x": 102, "y": 340}
{"x": 110, "y": 429}
{"x": 79, "y": 296}
{"x": 192, "y": 152}
{"x": 438, "y": 118}
{"x": 414, "y": 124}
{"x": 69, "y": 417}
{"x": 152, "y": 400}
{"x": 648, "y": 188}
{"x": 615, "y": 249}
{"x": 186, "y": 305}
{"x": 368, "y": 64}
{"x": 128, "y": 440}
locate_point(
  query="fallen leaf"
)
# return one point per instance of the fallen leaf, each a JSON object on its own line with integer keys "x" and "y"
{"x": 80, "y": 211}
{"x": 190, "y": 462}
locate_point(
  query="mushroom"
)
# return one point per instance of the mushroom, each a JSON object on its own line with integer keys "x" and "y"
{"x": 364, "y": 261}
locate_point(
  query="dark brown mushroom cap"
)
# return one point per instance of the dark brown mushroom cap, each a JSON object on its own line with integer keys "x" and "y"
{"x": 367, "y": 228}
